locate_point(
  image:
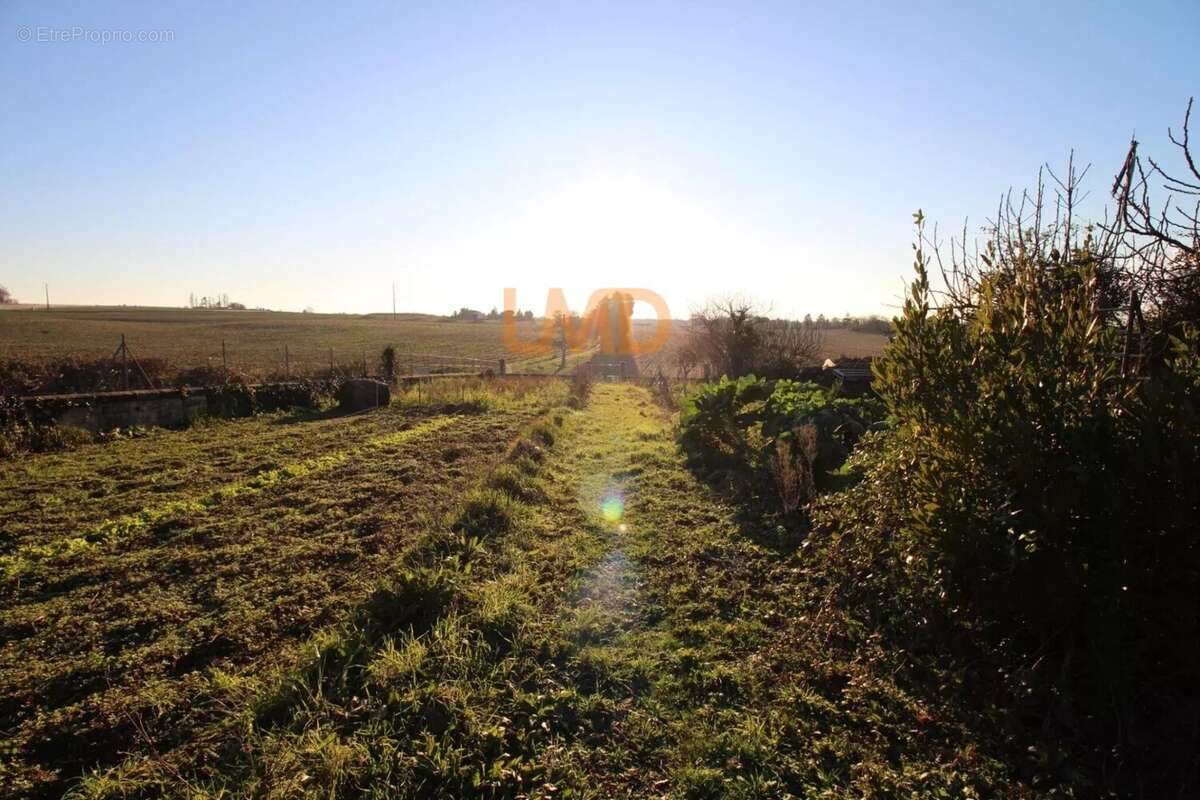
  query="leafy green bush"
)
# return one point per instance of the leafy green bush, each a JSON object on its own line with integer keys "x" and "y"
{"x": 772, "y": 440}
{"x": 292, "y": 394}
{"x": 1055, "y": 496}
{"x": 238, "y": 399}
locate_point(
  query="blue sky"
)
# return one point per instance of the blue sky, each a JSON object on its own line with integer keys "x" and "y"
{"x": 297, "y": 155}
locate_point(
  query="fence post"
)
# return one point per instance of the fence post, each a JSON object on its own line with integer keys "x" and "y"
{"x": 224, "y": 358}
{"x": 124, "y": 364}
{"x": 287, "y": 363}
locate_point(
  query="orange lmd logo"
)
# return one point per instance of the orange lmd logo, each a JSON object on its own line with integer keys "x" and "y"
{"x": 608, "y": 317}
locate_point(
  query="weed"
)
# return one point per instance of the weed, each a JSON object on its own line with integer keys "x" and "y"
{"x": 488, "y": 512}
{"x": 517, "y": 481}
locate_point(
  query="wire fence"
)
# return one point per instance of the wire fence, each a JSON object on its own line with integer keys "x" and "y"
{"x": 141, "y": 365}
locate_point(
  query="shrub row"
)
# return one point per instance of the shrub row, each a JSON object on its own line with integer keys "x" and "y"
{"x": 1055, "y": 494}
{"x": 242, "y": 400}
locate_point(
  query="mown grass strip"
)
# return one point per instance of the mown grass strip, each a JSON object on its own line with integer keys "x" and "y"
{"x": 447, "y": 590}
{"x": 111, "y": 530}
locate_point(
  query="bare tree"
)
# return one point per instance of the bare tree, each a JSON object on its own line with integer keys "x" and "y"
{"x": 6, "y": 298}
{"x": 1172, "y": 224}
{"x": 786, "y": 346}
{"x": 1145, "y": 258}
{"x": 1162, "y": 242}
{"x": 731, "y": 337}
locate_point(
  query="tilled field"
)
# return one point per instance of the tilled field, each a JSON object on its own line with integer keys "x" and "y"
{"x": 193, "y": 558}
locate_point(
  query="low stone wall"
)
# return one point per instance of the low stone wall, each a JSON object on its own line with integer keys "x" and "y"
{"x": 162, "y": 408}
{"x": 104, "y": 411}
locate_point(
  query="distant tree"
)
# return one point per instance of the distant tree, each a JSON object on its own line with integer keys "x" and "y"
{"x": 528, "y": 315}
{"x": 6, "y": 298}
{"x": 808, "y": 321}
{"x": 730, "y": 337}
{"x": 467, "y": 314}
{"x": 871, "y": 324}
{"x": 493, "y": 314}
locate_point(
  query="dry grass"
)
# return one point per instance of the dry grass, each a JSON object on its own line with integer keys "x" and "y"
{"x": 255, "y": 340}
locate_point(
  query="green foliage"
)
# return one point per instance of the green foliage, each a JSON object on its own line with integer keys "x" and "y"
{"x": 1055, "y": 496}
{"x": 487, "y": 512}
{"x": 516, "y": 482}
{"x": 238, "y": 399}
{"x": 750, "y": 435}
{"x": 23, "y": 430}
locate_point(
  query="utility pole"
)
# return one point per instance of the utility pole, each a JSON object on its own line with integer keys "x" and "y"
{"x": 46, "y": 286}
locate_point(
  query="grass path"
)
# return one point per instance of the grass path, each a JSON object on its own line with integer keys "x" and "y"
{"x": 697, "y": 632}
{"x": 663, "y": 625}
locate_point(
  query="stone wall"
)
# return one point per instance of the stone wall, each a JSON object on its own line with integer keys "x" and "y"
{"x": 166, "y": 408}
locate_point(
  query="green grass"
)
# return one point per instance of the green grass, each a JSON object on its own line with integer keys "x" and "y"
{"x": 470, "y": 612}
{"x": 576, "y": 652}
{"x": 228, "y": 548}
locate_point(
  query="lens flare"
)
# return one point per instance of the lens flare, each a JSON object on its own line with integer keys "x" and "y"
{"x": 612, "y": 507}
